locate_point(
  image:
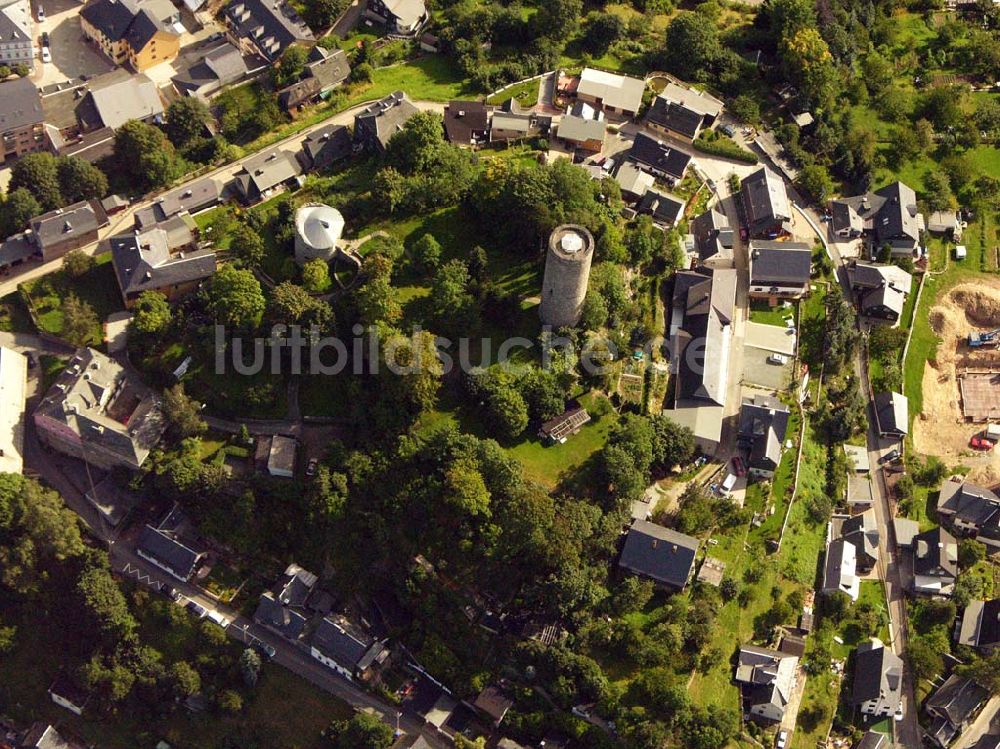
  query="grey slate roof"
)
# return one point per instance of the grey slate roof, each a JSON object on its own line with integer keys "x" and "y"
{"x": 779, "y": 263}
{"x": 327, "y": 145}
{"x": 981, "y": 624}
{"x": 703, "y": 308}
{"x": 20, "y": 105}
{"x": 16, "y": 248}
{"x": 462, "y": 119}
{"x": 632, "y": 180}
{"x": 989, "y": 741}
{"x": 972, "y": 505}
{"x": 267, "y": 170}
{"x": 63, "y": 224}
{"x": 889, "y": 214}
{"x": 220, "y": 66}
{"x": 713, "y": 235}
{"x": 168, "y": 551}
{"x": 675, "y": 116}
{"x": 763, "y": 425}
{"x": 331, "y": 70}
{"x": 956, "y": 700}
{"x": 765, "y": 200}
{"x": 935, "y": 552}
{"x": 193, "y": 197}
{"x": 873, "y": 740}
{"x": 377, "y": 123}
{"x": 271, "y": 25}
{"x": 892, "y": 412}
{"x": 284, "y": 620}
{"x": 658, "y": 156}
{"x": 111, "y": 17}
{"x": 580, "y": 129}
{"x": 659, "y": 553}
{"x": 664, "y": 208}
{"x": 336, "y": 642}
{"x": 148, "y": 260}
{"x": 878, "y": 676}
{"x": 132, "y": 98}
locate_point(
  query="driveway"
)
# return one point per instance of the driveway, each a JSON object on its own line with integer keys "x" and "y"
{"x": 72, "y": 55}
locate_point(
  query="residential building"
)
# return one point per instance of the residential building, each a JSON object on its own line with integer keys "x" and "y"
{"x": 891, "y": 414}
{"x": 617, "y": 94}
{"x": 22, "y": 121}
{"x": 762, "y": 431}
{"x": 766, "y": 679}
{"x": 137, "y": 33}
{"x": 283, "y": 609}
{"x": 682, "y": 112}
{"x": 13, "y": 392}
{"x": 401, "y": 17}
{"x": 953, "y": 707}
{"x": 17, "y": 36}
{"x": 467, "y": 123}
{"x": 17, "y": 249}
{"x": 99, "y": 412}
{"x": 971, "y": 510}
{"x": 906, "y": 531}
{"x": 44, "y": 736}
{"x": 665, "y": 209}
{"x": 840, "y": 569}
{"x": 220, "y": 67}
{"x": 859, "y": 495}
{"x": 881, "y": 290}
{"x": 510, "y": 124}
{"x": 566, "y": 424}
{"x": 340, "y": 646}
{"x": 873, "y": 740}
{"x": 165, "y": 258}
{"x": 118, "y": 100}
{"x": 57, "y": 232}
{"x": 266, "y": 173}
{"x": 779, "y": 270}
{"x": 862, "y": 531}
{"x": 660, "y": 554}
{"x": 190, "y": 199}
{"x": 375, "y": 125}
{"x": 633, "y": 181}
{"x": 980, "y": 626}
{"x": 702, "y": 313}
{"x": 583, "y": 134}
{"x": 163, "y": 549}
{"x": 265, "y": 27}
{"x": 493, "y": 703}
{"x": 713, "y": 237}
{"x": 325, "y": 147}
{"x": 948, "y": 223}
{"x": 851, "y": 551}
{"x": 878, "y": 680}
{"x": 767, "y": 212}
{"x": 935, "y": 562}
{"x": 324, "y": 72}
{"x": 659, "y": 158}
{"x": 887, "y": 217}
{"x": 281, "y": 452}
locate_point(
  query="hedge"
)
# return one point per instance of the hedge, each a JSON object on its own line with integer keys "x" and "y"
{"x": 726, "y": 149}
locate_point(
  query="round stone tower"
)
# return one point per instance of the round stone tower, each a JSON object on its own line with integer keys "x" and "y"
{"x": 567, "y": 271}
{"x": 317, "y": 230}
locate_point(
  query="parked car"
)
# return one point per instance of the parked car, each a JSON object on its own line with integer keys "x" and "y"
{"x": 889, "y": 457}
{"x": 218, "y": 618}
{"x": 782, "y": 739}
{"x": 738, "y": 466}
{"x": 169, "y": 591}
{"x": 197, "y": 609}
{"x": 46, "y": 54}
{"x": 980, "y": 443}
{"x": 266, "y": 649}
{"x": 40, "y": 13}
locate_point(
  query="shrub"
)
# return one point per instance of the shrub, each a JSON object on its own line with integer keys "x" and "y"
{"x": 724, "y": 148}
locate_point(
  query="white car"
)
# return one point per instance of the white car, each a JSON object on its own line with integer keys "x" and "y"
{"x": 41, "y": 13}
{"x": 782, "y": 739}
{"x": 218, "y": 618}
{"x": 46, "y": 54}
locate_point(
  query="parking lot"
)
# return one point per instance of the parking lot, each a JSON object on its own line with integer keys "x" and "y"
{"x": 762, "y": 342}
{"x": 72, "y": 56}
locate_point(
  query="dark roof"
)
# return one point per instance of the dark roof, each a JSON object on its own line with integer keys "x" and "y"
{"x": 110, "y": 17}
{"x": 143, "y": 28}
{"x": 765, "y": 200}
{"x": 299, "y": 92}
{"x": 897, "y": 215}
{"x": 656, "y": 155}
{"x": 878, "y": 675}
{"x": 988, "y": 626}
{"x": 270, "y": 25}
{"x": 956, "y": 700}
{"x": 330, "y": 70}
{"x": 873, "y": 740}
{"x": 568, "y": 422}
{"x": 327, "y": 145}
{"x": 891, "y": 412}
{"x": 335, "y": 642}
{"x": 168, "y": 551}
{"x": 284, "y": 620}
{"x": 378, "y": 122}
{"x": 146, "y": 260}
{"x": 20, "y": 105}
{"x": 703, "y": 307}
{"x": 989, "y": 741}
{"x": 16, "y": 248}
{"x": 220, "y": 66}
{"x": 675, "y": 117}
{"x": 713, "y": 235}
{"x": 780, "y": 263}
{"x": 935, "y": 552}
{"x": 665, "y": 209}
{"x": 62, "y": 224}
{"x": 266, "y": 170}
{"x": 659, "y": 553}
{"x": 971, "y": 504}
{"x": 463, "y": 119}
{"x": 494, "y": 703}
{"x": 764, "y": 424}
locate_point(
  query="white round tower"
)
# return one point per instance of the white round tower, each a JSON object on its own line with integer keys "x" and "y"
{"x": 317, "y": 230}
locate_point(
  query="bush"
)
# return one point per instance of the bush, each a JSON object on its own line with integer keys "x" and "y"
{"x": 723, "y": 148}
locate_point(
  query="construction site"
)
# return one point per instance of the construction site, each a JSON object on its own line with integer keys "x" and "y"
{"x": 961, "y": 384}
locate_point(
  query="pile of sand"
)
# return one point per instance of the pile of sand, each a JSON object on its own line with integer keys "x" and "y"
{"x": 940, "y": 429}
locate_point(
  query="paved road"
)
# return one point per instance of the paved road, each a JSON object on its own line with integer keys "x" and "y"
{"x": 55, "y": 469}
{"x": 124, "y": 220}
{"x": 990, "y": 714}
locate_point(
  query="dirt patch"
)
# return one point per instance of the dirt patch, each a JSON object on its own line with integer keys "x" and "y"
{"x": 941, "y": 428}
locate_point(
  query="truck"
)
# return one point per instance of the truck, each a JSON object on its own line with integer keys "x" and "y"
{"x": 989, "y": 338}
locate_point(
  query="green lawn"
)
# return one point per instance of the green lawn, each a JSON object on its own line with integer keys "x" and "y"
{"x": 98, "y": 288}
{"x": 762, "y": 312}
{"x": 430, "y": 78}
{"x": 525, "y": 93}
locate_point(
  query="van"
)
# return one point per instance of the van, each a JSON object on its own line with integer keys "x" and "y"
{"x": 218, "y": 618}
{"x": 729, "y": 483}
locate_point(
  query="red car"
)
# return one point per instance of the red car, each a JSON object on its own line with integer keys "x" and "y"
{"x": 738, "y": 466}
{"x": 978, "y": 443}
